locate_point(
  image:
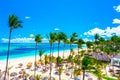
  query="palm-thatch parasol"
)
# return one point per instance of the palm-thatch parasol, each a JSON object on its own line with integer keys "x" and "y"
{"x": 13, "y": 74}
{"x": 101, "y": 56}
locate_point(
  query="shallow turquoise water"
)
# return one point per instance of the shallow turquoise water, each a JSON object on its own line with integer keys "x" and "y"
{"x": 19, "y": 50}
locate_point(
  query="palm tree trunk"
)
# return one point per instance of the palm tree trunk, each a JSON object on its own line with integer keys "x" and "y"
{"x": 58, "y": 58}
{"x": 8, "y": 53}
{"x": 50, "y": 60}
{"x": 70, "y": 48}
{"x": 64, "y": 51}
{"x": 83, "y": 74}
{"x": 52, "y": 50}
{"x": 58, "y": 49}
{"x": 35, "y": 60}
{"x": 60, "y": 77}
{"x": 105, "y": 70}
{"x": 40, "y": 60}
{"x": 78, "y": 57}
{"x": 72, "y": 69}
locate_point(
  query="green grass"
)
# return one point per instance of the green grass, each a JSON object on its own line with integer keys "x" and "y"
{"x": 103, "y": 76}
{"x": 108, "y": 78}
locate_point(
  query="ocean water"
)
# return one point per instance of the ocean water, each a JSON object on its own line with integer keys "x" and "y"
{"x": 19, "y": 50}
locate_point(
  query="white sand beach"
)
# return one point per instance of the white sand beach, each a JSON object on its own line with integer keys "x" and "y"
{"x": 25, "y": 60}
{"x": 14, "y": 64}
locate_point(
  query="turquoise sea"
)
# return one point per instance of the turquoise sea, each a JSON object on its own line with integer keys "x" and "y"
{"x": 19, "y": 50}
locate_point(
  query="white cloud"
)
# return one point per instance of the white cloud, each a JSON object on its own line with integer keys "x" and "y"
{"x": 22, "y": 40}
{"x": 86, "y": 39}
{"x": 94, "y": 31}
{"x": 117, "y": 8}
{"x": 56, "y": 29}
{"x": 19, "y": 40}
{"x": 45, "y": 40}
{"x": 108, "y": 32}
{"x": 116, "y": 21}
{"x": 27, "y": 17}
{"x": 85, "y": 33}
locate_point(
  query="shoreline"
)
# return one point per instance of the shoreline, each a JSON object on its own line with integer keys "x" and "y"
{"x": 24, "y": 60}
{"x": 14, "y": 66}
{"x": 11, "y": 57}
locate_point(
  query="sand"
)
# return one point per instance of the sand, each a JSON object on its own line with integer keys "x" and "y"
{"x": 25, "y": 60}
{"x": 14, "y": 64}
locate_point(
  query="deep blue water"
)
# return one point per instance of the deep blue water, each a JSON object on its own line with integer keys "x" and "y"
{"x": 18, "y": 50}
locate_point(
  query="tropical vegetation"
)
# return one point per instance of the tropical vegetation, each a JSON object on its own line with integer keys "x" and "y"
{"x": 79, "y": 62}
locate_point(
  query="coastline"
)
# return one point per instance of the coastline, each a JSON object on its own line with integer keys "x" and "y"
{"x": 24, "y": 60}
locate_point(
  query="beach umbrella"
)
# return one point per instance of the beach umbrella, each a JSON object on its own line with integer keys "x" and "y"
{"x": 2, "y": 76}
{"x": 26, "y": 75}
{"x": 20, "y": 72}
{"x": 13, "y": 74}
{"x": 20, "y": 65}
{"x": 46, "y": 78}
{"x": 76, "y": 78}
{"x": 100, "y": 56}
{"x": 90, "y": 79}
{"x": 15, "y": 78}
{"x": 52, "y": 78}
{"x": 31, "y": 77}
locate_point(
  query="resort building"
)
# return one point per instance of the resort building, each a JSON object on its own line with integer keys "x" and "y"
{"x": 115, "y": 60}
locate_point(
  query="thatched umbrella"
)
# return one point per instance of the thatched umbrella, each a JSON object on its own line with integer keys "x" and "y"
{"x": 76, "y": 78}
{"x": 15, "y": 78}
{"x": 101, "y": 56}
{"x": 31, "y": 77}
{"x": 45, "y": 78}
{"x": 20, "y": 65}
{"x": 20, "y": 72}
{"x": 89, "y": 53}
{"x": 90, "y": 79}
{"x": 13, "y": 74}
{"x": 2, "y": 75}
{"x": 52, "y": 78}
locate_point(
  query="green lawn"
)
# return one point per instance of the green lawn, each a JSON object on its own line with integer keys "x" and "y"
{"x": 103, "y": 76}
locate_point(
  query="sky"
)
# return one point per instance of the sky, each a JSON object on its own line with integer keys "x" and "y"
{"x": 86, "y": 17}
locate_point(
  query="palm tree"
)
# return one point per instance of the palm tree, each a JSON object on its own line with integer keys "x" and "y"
{"x": 76, "y": 72}
{"x": 52, "y": 38}
{"x": 96, "y": 36}
{"x": 38, "y": 39}
{"x": 79, "y": 44}
{"x": 89, "y": 44}
{"x": 103, "y": 65}
{"x": 14, "y": 23}
{"x": 60, "y": 72}
{"x": 86, "y": 65}
{"x": 65, "y": 41}
{"x": 46, "y": 59}
{"x": 41, "y": 52}
{"x": 72, "y": 40}
{"x": 98, "y": 68}
{"x": 71, "y": 60}
{"x": 72, "y": 52}
{"x": 37, "y": 77}
{"x": 60, "y": 37}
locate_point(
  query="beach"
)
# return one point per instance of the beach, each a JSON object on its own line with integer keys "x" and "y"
{"x": 15, "y": 61}
{"x": 14, "y": 65}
